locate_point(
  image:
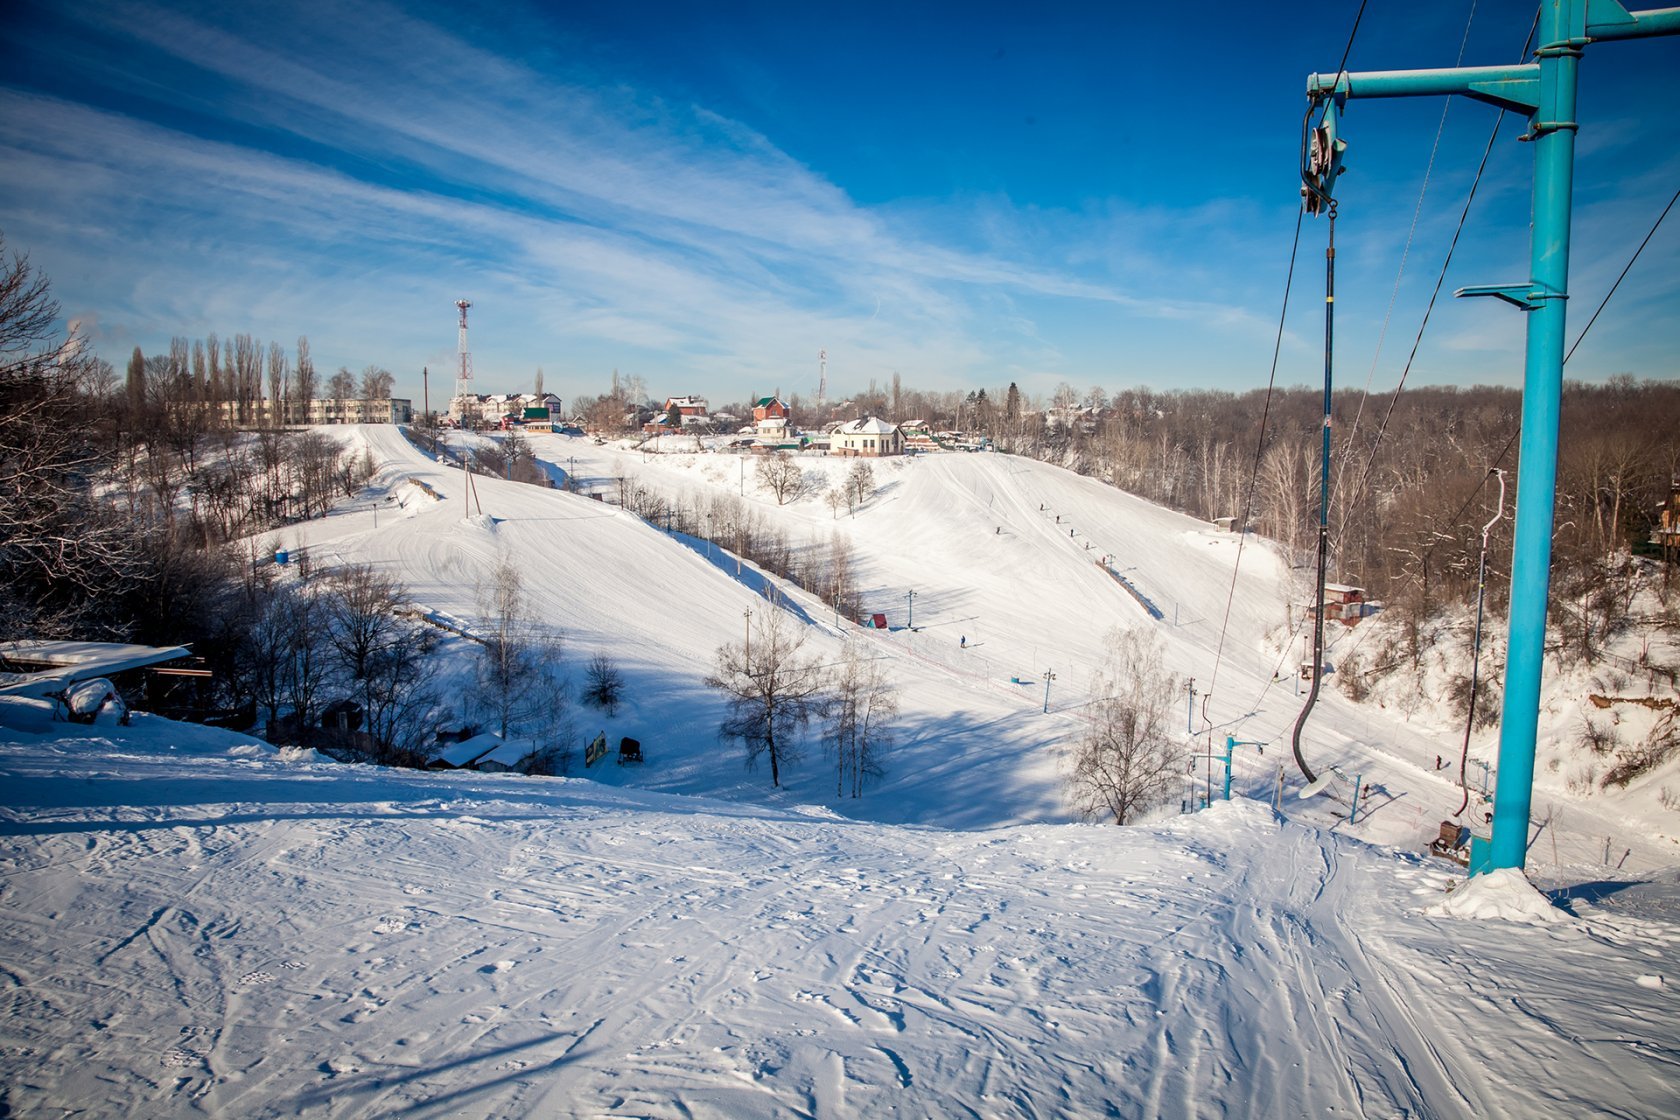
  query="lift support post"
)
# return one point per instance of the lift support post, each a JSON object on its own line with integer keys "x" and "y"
{"x": 1543, "y": 90}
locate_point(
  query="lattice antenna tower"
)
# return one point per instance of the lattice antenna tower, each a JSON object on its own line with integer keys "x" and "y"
{"x": 822, "y": 384}
{"x": 463, "y": 379}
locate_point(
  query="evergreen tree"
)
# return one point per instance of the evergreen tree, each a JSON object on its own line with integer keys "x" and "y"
{"x": 136, "y": 381}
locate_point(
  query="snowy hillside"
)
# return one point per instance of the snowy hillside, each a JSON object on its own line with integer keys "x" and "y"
{"x": 195, "y": 925}
{"x": 1003, "y": 552}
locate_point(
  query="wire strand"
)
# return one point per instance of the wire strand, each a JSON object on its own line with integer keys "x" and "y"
{"x": 1259, "y": 450}
{"x": 1405, "y": 255}
{"x": 1623, "y": 276}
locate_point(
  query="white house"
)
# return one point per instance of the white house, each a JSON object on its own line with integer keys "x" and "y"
{"x": 869, "y": 437}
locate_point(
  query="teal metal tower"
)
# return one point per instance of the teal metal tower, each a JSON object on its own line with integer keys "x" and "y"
{"x": 1543, "y": 91}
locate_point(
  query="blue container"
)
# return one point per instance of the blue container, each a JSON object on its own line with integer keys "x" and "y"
{"x": 281, "y": 556}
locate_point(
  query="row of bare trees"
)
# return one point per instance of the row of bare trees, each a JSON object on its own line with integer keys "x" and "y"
{"x": 824, "y": 566}
{"x": 230, "y": 377}
{"x": 775, "y": 689}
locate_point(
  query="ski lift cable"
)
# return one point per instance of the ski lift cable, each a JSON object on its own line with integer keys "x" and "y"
{"x": 1511, "y": 441}
{"x": 1429, "y": 309}
{"x": 1254, "y": 470}
{"x": 1623, "y": 276}
{"x": 1440, "y": 279}
{"x": 1406, "y": 251}
{"x": 1271, "y": 382}
{"x": 1476, "y": 644}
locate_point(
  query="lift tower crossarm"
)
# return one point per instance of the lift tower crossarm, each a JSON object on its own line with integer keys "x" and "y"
{"x": 1516, "y": 88}
{"x": 1608, "y": 21}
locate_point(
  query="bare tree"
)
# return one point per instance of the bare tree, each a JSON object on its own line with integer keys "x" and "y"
{"x": 279, "y": 387}
{"x": 514, "y": 682}
{"x": 363, "y": 625}
{"x": 215, "y": 386}
{"x": 403, "y": 699}
{"x": 307, "y": 670}
{"x": 860, "y": 482}
{"x": 781, "y": 475}
{"x": 60, "y": 546}
{"x": 860, "y": 720}
{"x": 247, "y": 374}
{"x": 376, "y": 383}
{"x": 1126, "y": 761}
{"x": 305, "y": 377}
{"x": 342, "y": 385}
{"x": 603, "y": 684}
{"x": 773, "y": 690}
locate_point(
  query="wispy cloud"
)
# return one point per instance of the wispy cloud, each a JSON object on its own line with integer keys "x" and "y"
{"x": 359, "y": 166}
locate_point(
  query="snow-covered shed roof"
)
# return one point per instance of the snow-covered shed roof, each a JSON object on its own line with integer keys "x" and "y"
{"x": 468, "y": 751}
{"x": 505, "y": 756}
{"x": 68, "y": 662}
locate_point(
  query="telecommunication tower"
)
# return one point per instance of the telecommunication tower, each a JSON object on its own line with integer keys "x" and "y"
{"x": 822, "y": 384}
{"x": 463, "y": 379}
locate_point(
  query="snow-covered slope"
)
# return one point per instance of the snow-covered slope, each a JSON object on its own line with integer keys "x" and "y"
{"x": 192, "y": 927}
{"x": 195, "y": 925}
{"x": 1017, "y": 557}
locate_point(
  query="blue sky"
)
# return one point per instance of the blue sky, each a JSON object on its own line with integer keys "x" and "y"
{"x": 706, "y": 195}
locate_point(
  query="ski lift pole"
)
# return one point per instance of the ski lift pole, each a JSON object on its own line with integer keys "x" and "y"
{"x": 1543, "y": 91}
{"x": 1231, "y": 745}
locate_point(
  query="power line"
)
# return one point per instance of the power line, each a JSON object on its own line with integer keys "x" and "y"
{"x": 1405, "y": 252}
{"x": 1623, "y": 276}
{"x": 1440, "y": 279}
{"x": 1271, "y": 382}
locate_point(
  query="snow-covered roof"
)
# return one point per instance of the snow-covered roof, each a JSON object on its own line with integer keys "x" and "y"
{"x": 469, "y": 751}
{"x": 508, "y": 754}
{"x": 68, "y": 662}
{"x": 868, "y": 426}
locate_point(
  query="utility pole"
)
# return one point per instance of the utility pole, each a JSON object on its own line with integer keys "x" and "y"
{"x": 426, "y": 393}
{"x": 1190, "y": 717}
{"x": 1049, "y": 675}
{"x": 747, "y": 645}
{"x": 910, "y": 612}
{"x": 1543, "y": 91}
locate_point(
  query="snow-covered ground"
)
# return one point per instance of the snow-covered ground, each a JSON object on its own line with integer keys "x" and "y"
{"x": 194, "y": 927}
{"x": 192, "y": 924}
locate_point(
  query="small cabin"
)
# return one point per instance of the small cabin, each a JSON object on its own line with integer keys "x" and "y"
{"x": 1343, "y": 603}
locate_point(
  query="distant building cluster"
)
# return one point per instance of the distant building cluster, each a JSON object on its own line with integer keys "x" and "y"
{"x": 330, "y": 410}
{"x": 531, "y": 411}
{"x": 772, "y": 428}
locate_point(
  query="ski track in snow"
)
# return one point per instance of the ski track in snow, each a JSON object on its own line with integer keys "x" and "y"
{"x": 442, "y": 946}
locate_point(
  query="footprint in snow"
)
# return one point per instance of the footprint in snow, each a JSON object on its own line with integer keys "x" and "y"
{"x": 258, "y": 977}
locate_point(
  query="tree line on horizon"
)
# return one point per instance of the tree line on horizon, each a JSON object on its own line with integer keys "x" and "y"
{"x": 119, "y": 500}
